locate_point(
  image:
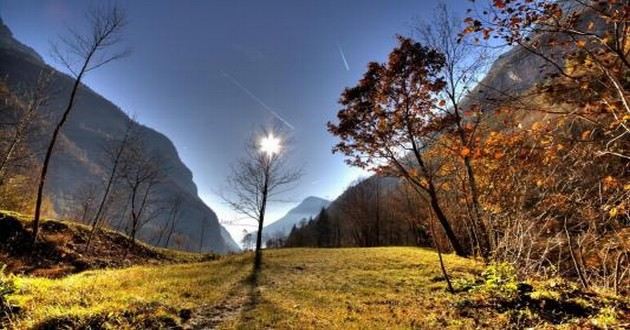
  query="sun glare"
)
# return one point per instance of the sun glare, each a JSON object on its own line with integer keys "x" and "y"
{"x": 270, "y": 145}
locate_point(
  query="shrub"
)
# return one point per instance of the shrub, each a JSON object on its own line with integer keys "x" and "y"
{"x": 500, "y": 281}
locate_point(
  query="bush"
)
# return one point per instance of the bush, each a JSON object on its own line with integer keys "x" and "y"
{"x": 500, "y": 280}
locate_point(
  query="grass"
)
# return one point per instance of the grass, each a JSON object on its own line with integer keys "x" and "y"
{"x": 118, "y": 295}
{"x": 371, "y": 288}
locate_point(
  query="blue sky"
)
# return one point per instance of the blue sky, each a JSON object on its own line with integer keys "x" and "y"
{"x": 192, "y": 60}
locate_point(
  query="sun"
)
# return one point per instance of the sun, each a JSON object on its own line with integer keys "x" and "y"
{"x": 270, "y": 145}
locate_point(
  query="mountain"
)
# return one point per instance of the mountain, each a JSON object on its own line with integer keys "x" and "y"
{"x": 93, "y": 122}
{"x": 308, "y": 208}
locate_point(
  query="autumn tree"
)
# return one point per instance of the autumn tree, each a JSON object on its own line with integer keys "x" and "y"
{"x": 585, "y": 47}
{"x": 80, "y": 53}
{"x": 464, "y": 64}
{"x": 388, "y": 120}
{"x": 257, "y": 179}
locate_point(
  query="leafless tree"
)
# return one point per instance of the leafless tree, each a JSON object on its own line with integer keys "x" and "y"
{"x": 174, "y": 207}
{"x": 203, "y": 225}
{"x": 85, "y": 200}
{"x": 248, "y": 241}
{"x": 257, "y": 179}
{"x": 81, "y": 52}
{"x": 23, "y": 109}
{"x": 114, "y": 152}
{"x": 142, "y": 172}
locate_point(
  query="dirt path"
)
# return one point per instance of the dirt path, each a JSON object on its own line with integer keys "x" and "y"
{"x": 242, "y": 298}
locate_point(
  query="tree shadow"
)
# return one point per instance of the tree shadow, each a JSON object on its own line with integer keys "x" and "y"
{"x": 254, "y": 300}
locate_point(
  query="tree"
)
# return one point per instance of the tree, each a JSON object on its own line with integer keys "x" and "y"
{"x": 203, "y": 224}
{"x": 174, "y": 209}
{"x": 141, "y": 171}
{"x": 584, "y": 45}
{"x": 388, "y": 119}
{"x": 324, "y": 229}
{"x": 115, "y": 154}
{"x": 257, "y": 178}
{"x": 464, "y": 63}
{"x": 24, "y": 110}
{"x": 248, "y": 241}
{"x": 90, "y": 50}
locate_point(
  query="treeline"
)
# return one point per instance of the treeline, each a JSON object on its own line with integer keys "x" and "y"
{"x": 536, "y": 174}
{"x": 371, "y": 212}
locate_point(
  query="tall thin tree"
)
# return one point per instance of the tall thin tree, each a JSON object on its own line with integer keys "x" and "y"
{"x": 91, "y": 49}
{"x": 115, "y": 156}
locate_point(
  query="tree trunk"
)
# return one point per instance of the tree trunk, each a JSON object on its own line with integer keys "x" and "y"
{"x": 49, "y": 152}
{"x": 107, "y": 189}
{"x": 459, "y": 250}
{"x": 258, "y": 253}
{"x": 483, "y": 237}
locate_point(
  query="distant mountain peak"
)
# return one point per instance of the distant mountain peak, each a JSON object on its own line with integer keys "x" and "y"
{"x": 308, "y": 208}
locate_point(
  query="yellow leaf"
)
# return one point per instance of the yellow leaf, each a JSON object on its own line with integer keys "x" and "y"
{"x": 464, "y": 152}
{"x": 581, "y": 43}
{"x": 613, "y": 212}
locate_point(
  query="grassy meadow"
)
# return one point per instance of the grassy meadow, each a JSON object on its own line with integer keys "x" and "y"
{"x": 355, "y": 288}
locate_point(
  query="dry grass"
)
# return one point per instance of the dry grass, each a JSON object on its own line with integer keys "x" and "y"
{"x": 359, "y": 288}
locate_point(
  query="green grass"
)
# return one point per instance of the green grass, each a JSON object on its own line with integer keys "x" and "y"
{"x": 371, "y": 288}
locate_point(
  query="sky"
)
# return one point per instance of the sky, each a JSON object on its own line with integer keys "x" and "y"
{"x": 209, "y": 73}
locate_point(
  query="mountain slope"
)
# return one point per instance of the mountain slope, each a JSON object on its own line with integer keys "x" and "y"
{"x": 93, "y": 122}
{"x": 308, "y": 208}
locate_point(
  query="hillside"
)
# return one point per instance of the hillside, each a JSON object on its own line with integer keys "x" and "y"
{"x": 94, "y": 122}
{"x": 311, "y": 289}
{"x": 61, "y": 249}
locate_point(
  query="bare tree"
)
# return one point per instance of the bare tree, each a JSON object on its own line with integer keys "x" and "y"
{"x": 169, "y": 227}
{"x": 115, "y": 154}
{"x": 26, "y": 107}
{"x": 248, "y": 241}
{"x": 141, "y": 172}
{"x": 85, "y": 201}
{"x": 257, "y": 178}
{"x": 82, "y": 52}
{"x": 203, "y": 224}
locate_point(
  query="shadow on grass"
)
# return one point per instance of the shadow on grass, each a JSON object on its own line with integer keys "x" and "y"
{"x": 256, "y": 310}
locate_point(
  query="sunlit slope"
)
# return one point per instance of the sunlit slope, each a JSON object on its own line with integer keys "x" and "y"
{"x": 367, "y": 288}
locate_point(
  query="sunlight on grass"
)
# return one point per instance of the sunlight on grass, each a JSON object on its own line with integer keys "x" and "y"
{"x": 354, "y": 288}
{"x": 114, "y": 292}
{"x": 373, "y": 288}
